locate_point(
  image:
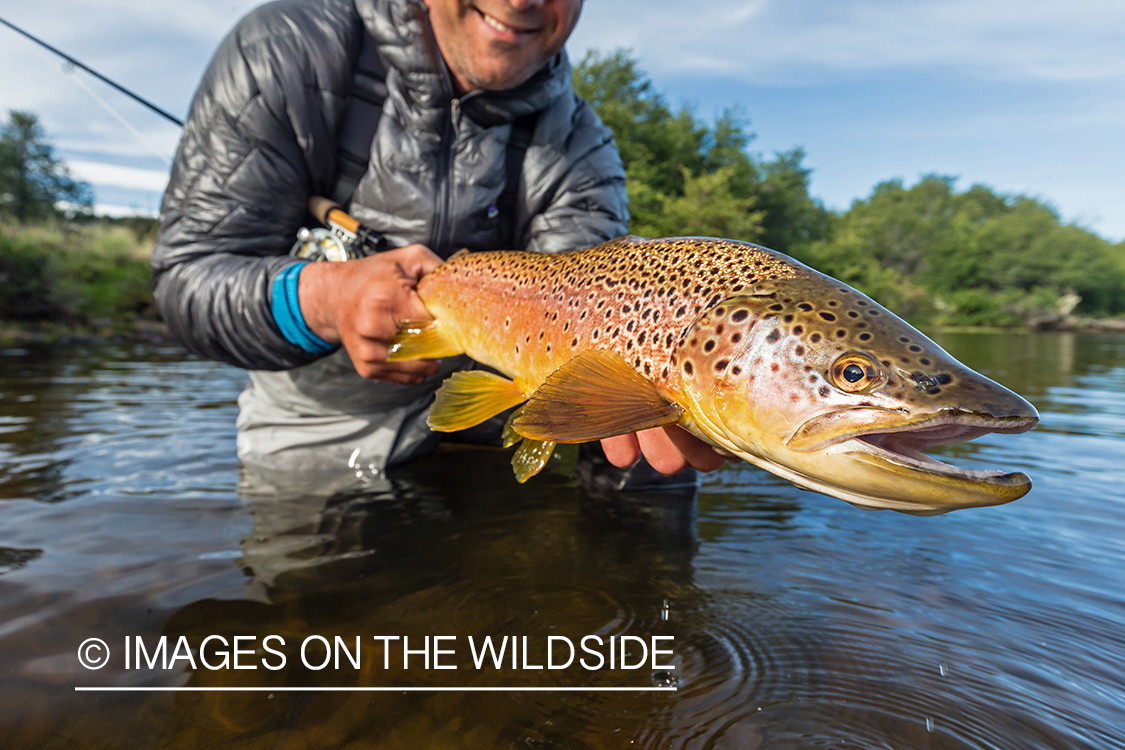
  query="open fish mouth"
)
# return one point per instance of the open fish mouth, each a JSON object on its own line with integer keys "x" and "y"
{"x": 905, "y": 444}
{"x": 880, "y": 464}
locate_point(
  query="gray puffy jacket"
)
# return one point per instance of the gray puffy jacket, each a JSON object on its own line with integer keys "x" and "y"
{"x": 261, "y": 138}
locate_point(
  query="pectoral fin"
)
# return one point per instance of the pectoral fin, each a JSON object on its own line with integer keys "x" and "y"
{"x": 422, "y": 339}
{"x": 466, "y": 399}
{"x": 530, "y": 458}
{"x": 593, "y": 396}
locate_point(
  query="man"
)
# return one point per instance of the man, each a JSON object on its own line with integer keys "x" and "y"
{"x": 457, "y": 76}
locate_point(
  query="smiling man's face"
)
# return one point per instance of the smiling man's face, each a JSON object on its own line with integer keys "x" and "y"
{"x": 498, "y": 44}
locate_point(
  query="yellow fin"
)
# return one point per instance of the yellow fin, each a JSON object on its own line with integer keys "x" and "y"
{"x": 468, "y": 398}
{"x": 421, "y": 339}
{"x": 531, "y": 457}
{"x": 593, "y": 396}
{"x": 509, "y": 436}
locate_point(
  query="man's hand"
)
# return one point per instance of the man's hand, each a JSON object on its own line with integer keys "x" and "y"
{"x": 360, "y": 304}
{"x": 667, "y": 449}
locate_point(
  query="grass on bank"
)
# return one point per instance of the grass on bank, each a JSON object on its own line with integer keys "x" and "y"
{"x": 64, "y": 278}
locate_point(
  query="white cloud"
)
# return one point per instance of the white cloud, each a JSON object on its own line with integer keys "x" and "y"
{"x": 124, "y": 177}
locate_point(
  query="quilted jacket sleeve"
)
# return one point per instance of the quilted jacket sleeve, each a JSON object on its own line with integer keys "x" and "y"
{"x": 259, "y": 139}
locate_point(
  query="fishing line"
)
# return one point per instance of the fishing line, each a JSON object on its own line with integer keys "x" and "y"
{"x": 115, "y": 113}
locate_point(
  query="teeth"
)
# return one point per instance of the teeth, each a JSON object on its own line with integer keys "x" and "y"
{"x": 497, "y": 25}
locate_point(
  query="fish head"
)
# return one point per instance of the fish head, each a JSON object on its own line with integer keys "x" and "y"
{"x": 818, "y": 383}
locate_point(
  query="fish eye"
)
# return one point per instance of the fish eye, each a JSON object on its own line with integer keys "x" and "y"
{"x": 855, "y": 372}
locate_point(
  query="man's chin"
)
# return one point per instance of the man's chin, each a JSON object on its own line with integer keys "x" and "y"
{"x": 500, "y": 72}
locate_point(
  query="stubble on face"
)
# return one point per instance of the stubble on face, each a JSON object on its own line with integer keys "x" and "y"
{"x": 498, "y": 44}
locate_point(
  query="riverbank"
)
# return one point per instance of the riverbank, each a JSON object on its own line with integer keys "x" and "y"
{"x": 91, "y": 282}
{"x": 63, "y": 281}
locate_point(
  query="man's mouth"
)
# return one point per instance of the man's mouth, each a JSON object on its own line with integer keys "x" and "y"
{"x": 502, "y": 27}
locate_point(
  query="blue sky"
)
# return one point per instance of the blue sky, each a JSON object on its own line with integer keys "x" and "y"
{"x": 1026, "y": 96}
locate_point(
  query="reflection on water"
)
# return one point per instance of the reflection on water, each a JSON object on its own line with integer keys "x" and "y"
{"x": 798, "y": 620}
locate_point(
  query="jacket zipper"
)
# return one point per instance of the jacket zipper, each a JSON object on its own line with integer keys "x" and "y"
{"x": 445, "y": 165}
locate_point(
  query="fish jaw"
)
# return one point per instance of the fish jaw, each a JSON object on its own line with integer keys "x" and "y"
{"x": 878, "y": 470}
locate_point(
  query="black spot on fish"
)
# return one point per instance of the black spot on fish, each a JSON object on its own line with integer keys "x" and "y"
{"x": 721, "y": 365}
{"x": 798, "y": 330}
{"x": 775, "y": 334}
{"x": 709, "y": 346}
{"x": 688, "y": 368}
{"x": 924, "y": 362}
{"x": 788, "y": 318}
{"x": 739, "y": 316}
{"x": 865, "y": 337}
{"x": 799, "y": 351}
{"x": 736, "y": 370}
{"x": 814, "y": 338}
{"x": 827, "y": 316}
{"x": 805, "y": 306}
{"x": 944, "y": 379}
{"x": 824, "y": 391}
{"x": 777, "y": 308}
{"x": 736, "y": 338}
{"x": 915, "y": 348}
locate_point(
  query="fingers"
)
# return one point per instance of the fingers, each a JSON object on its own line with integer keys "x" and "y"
{"x": 697, "y": 453}
{"x": 667, "y": 449}
{"x": 402, "y": 373}
{"x": 660, "y": 452}
{"x": 415, "y": 260}
{"x": 622, "y": 451}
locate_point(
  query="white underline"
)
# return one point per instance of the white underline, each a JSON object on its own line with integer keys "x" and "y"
{"x": 289, "y": 689}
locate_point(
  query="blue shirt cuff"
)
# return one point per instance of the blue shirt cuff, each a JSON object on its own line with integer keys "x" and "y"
{"x": 287, "y": 312}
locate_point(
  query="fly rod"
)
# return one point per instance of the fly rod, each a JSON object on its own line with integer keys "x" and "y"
{"x": 93, "y": 72}
{"x": 347, "y": 229}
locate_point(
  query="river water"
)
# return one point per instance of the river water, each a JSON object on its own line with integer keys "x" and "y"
{"x": 784, "y": 619}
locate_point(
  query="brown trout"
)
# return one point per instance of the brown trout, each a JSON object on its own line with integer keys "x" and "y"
{"x": 746, "y": 348}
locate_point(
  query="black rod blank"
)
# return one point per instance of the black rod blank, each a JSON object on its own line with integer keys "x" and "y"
{"x": 94, "y": 73}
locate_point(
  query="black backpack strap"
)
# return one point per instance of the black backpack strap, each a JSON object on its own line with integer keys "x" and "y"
{"x": 522, "y": 130}
{"x": 361, "y": 119}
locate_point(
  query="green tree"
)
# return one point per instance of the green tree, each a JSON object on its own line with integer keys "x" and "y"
{"x": 32, "y": 181}
{"x": 975, "y": 257}
{"x": 688, "y": 177}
